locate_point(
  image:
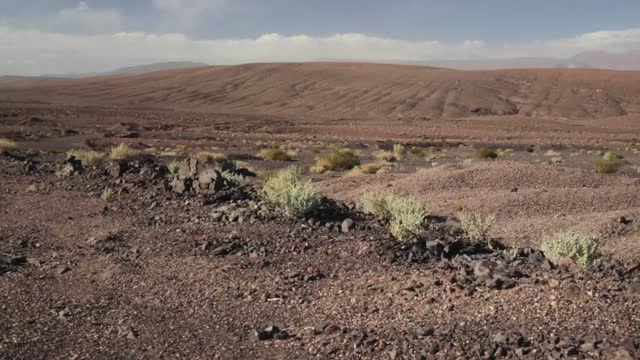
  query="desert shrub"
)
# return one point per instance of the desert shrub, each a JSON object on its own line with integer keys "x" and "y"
{"x": 485, "y": 154}
{"x": 417, "y": 152}
{"x": 275, "y": 154}
{"x": 611, "y": 156}
{"x": 173, "y": 167}
{"x": 399, "y": 151}
{"x": 582, "y": 248}
{"x": 476, "y": 227}
{"x": 123, "y": 152}
{"x": 553, "y": 153}
{"x": 290, "y": 192}
{"x": 7, "y": 145}
{"x": 89, "y": 158}
{"x": 405, "y": 214}
{"x": 530, "y": 148}
{"x": 384, "y": 155}
{"x": 366, "y": 169}
{"x": 210, "y": 157}
{"x": 604, "y": 166}
{"x": 107, "y": 194}
{"x": 233, "y": 178}
{"x": 336, "y": 159}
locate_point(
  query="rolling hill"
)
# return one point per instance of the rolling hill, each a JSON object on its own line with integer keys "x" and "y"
{"x": 349, "y": 90}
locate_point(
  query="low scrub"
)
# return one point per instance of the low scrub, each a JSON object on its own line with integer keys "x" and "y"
{"x": 405, "y": 214}
{"x": 367, "y": 169}
{"x": 581, "y": 248}
{"x": 384, "y": 155}
{"x": 399, "y": 151}
{"x": 475, "y": 226}
{"x": 123, "y": 152}
{"x": 173, "y": 167}
{"x": 291, "y": 193}
{"x": 485, "y": 154}
{"x": 233, "y": 178}
{"x": 89, "y": 158}
{"x": 611, "y": 156}
{"x": 107, "y": 195}
{"x": 604, "y": 166}
{"x": 7, "y": 145}
{"x": 210, "y": 157}
{"x": 275, "y": 154}
{"x": 336, "y": 160}
{"x": 417, "y": 152}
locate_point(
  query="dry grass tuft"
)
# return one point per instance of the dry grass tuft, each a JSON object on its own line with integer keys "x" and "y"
{"x": 275, "y": 154}
{"x": 384, "y": 155}
{"x": 336, "y": 160}
{"x": 210, "y": 157}
{"x": 481, "y": 154}
{"x": 7, "y": 145}
{"x": 124, "y": 152}
{"x": 89, "y": 158}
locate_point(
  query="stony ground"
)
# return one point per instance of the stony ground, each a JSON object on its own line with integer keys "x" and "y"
{"x": 156, "y": 274}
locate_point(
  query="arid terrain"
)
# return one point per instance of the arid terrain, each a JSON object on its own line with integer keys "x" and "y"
{"x": 152, "y": 272}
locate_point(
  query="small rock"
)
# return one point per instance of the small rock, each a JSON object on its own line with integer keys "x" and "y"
{"x": 221, "y": 250}
{"x": 500, "y": 338}
{"x": 281, "y": 335}
{"x": 483, "y": 269}
{"x": 427, "y": 331}
{"x": 330, "y": 329}
{"x": 346, "y": 225}
{"x": 61, "y": 269}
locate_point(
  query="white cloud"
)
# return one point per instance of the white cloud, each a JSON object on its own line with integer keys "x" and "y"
{"x": 188, "y": 10}
{"x": 84, "y": 19}
{"x": 37, "y": 52}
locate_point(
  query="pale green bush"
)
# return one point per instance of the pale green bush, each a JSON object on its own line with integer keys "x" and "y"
{"x": 405, "y": 214}
{"x": 582, "y": 248}
{"x": 399, "y": 151}
{"x": 173, "y": 167}
{"x": 475, "y": 226}
{"x": 107, "y": 195}
{"x": 291, "y": 193}
{"x": 275, "y": 154}
{"x": 233, "y": 178}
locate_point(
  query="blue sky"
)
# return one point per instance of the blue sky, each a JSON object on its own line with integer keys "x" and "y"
{"x": 33, "y": 32}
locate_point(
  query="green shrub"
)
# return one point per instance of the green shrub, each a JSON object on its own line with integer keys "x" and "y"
{"x": 7, "y": 145}
{"x": 123, "y": 152}
{"x": 173, "y": 167}
{"x": 291, "y": 193}
{"x": 405, "y": 214}
{"x": 476, "y": 227}
{"x": 604, "y": 166}
{"x": 107, "y": 194}
{"x": 210, "y": 157}
{"x": 275, "y": 154}
{"x": 336, "y": 160}
{"x": 233, "y": 178}
{"x": 582, "y": 248}
{"x": 611, "y": 156}
{"x": 88, "y": 158}
{"x": 485, "y": 154}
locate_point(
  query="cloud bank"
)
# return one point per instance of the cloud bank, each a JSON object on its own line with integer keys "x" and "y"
{"x": 34, "y": 51}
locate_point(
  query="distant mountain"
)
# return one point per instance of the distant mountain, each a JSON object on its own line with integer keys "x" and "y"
{"x": 135, "y": 70}
{"x": 629, "y": 60}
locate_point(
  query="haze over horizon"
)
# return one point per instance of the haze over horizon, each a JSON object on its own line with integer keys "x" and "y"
{"x": 67, "y": 36}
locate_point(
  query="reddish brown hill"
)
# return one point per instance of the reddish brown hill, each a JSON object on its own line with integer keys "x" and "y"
{"x": 336, "y": 90}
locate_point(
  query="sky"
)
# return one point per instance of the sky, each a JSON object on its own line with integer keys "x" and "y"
{"x": 70, "y": 36}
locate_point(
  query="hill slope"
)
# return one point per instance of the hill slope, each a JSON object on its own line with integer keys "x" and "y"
{"x": 336, "y": 90}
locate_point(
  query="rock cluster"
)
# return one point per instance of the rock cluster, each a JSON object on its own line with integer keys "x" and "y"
{"x": 201, "y": 177}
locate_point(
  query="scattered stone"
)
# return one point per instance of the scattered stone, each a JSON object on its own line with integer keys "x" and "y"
{"x": 346, "y": 225}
